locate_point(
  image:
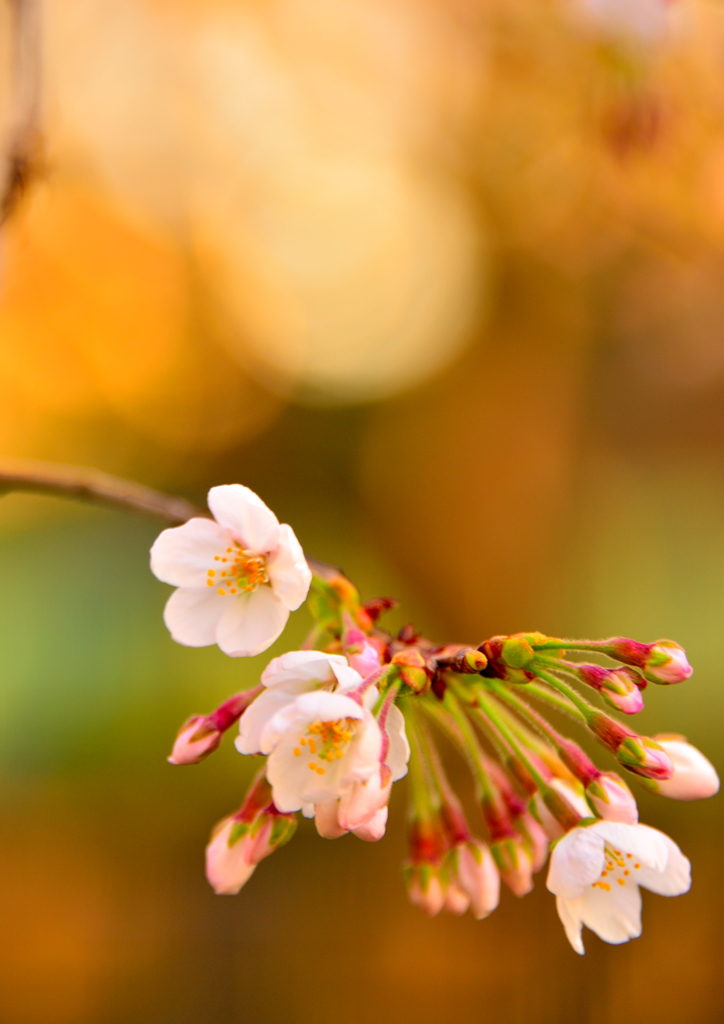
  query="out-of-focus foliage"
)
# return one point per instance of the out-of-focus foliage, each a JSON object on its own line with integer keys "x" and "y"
{"x": 444, "y": 283}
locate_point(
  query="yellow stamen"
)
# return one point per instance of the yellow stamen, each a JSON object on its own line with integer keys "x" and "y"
{"x": 297, "y": 751}
{"x": 222, "y": 592}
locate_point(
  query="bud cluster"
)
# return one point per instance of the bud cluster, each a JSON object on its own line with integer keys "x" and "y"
{"x": 340, "y": 721}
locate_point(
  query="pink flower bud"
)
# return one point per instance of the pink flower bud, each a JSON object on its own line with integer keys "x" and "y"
{"x": 201, "y": 734}
{"x": 571, "y": 794}
{"x": 667, "y": 663}
{"x": 227, "y": 867}
{"x": 425, "y": 888}
{"x": 515, "y": 865}
{"x": 196, "y": 740}
{"x": 612, "y": 799}
{"x": 618, "y": 687}
{"x": 476, "y": 874}
{"x": 374, "y": 829}
{"x": 694, "y": 777}
{"x": 457, "y": 900}
{"x": 643, "y": 756}
{"x": 534, "y": 838}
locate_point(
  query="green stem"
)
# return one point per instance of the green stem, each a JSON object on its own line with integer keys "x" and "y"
{"x": 575, "y": 698}
{"x": 470, "y": 747}
{"x": 555, "y": 702}
{"x": 491, "y": 711}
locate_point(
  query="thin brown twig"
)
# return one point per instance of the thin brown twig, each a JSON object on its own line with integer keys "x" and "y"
{"x": 23, "y": 145}
{"x": 92, "y": 485}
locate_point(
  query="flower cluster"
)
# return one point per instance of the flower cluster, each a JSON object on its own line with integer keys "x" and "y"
{"x": 341, "y": 720}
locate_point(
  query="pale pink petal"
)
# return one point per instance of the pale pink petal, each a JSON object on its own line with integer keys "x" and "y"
{"x": 570, "y": 912}
{"x": 192, "y": 616}
{"x": 646, "y": 844}
{"x": 325, "y": 818}
{"x": 298, "y": 671}
{"x": 347, "y": 677}
{"x": 252, "y": 723}
{"x": 289, "y": 573}
{"x": 246, "y": 517}
{"x": 576, "y": 862}
{"x": 363, "y": 800}
{"x": 398, "y": 753}
{"x": 250, "y": 623}
{"x": 374, "y": 829}
{"x": 183, "y": 555}
{"x": 674, "y": 880}
{"x": 615, "y": 914}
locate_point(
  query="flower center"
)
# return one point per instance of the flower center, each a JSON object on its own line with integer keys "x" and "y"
{"x": 617, "y": 869}
{"x": 326, "y": 741}
{"x": 237, "y": 571}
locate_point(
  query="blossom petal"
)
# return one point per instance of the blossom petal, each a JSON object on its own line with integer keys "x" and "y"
{"x": 374, "y": 829}
{"x": 250, "y": 623}
{"x": 570, "y": 912}
{"x": 398, "y": 753}
{"x": 183, "y": 555}
{"x": 303, "y": 669}
{"x": 576, "y": 862}
{"x": 674, "y": 880}
{"x": 615, "y": 914}
{"x": 288, "y": 570}
{"x": 294, "y": 717}
{"x": 192, "y": 616}
{"x": 254, "y": 720}
{"x": 246, "y": 516}
{"x": 647, "y": 844}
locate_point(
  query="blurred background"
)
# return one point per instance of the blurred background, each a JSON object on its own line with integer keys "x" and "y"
{"x": 442, "y": 280}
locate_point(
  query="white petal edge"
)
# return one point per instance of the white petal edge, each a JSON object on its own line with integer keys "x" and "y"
{"x": 183, "y": 555}
{"x": 289, "y": 573}
{"x": 192, "y": 616}
{"x": 250, "y": 623}
{"x": 244, "y": 514}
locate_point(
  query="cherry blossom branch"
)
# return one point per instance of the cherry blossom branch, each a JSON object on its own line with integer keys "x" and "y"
{"x": 24, "y": 141}
{"x": 86, "y": 484}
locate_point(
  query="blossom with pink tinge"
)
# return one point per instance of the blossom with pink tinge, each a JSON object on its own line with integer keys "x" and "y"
{"x": 239, "y": 575}
{"x": 595, "y": 874}
{"x": 284, "y": 679}
{"x": 694, "y": 777}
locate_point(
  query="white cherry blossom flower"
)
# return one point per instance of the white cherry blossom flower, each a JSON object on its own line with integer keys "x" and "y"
{"x": 285, "y": 679}
{"x": 595, "y": 874}
{"x": 238, "y": 575}
{"x": 694, "y": 777}
{"x": 322, "y": 744}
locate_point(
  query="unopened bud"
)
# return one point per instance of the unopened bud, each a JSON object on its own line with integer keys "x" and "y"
{"x": 197, "y": 739}
{"x": 534, "y": 839}
{"x": 661, "y": 662}
{"x": 612, "y": 799}
{"x": 515, "y": 864}
{"x": 643, "y": 756}
{"x": 237, "y": 846}
{"x": 694, "y": 777}
{"x": 457, "y": 900}
{"x": 413, "y": 672}
{"x": 201, "y": 734}
{"x": 517, "y": 652}
{"x": 426, "y": 886}
{"x": 617, "y": 686}
{"x": 667, "y": 663}
{"x": 473, "y": 869}
{"x": 366, "y": 660}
